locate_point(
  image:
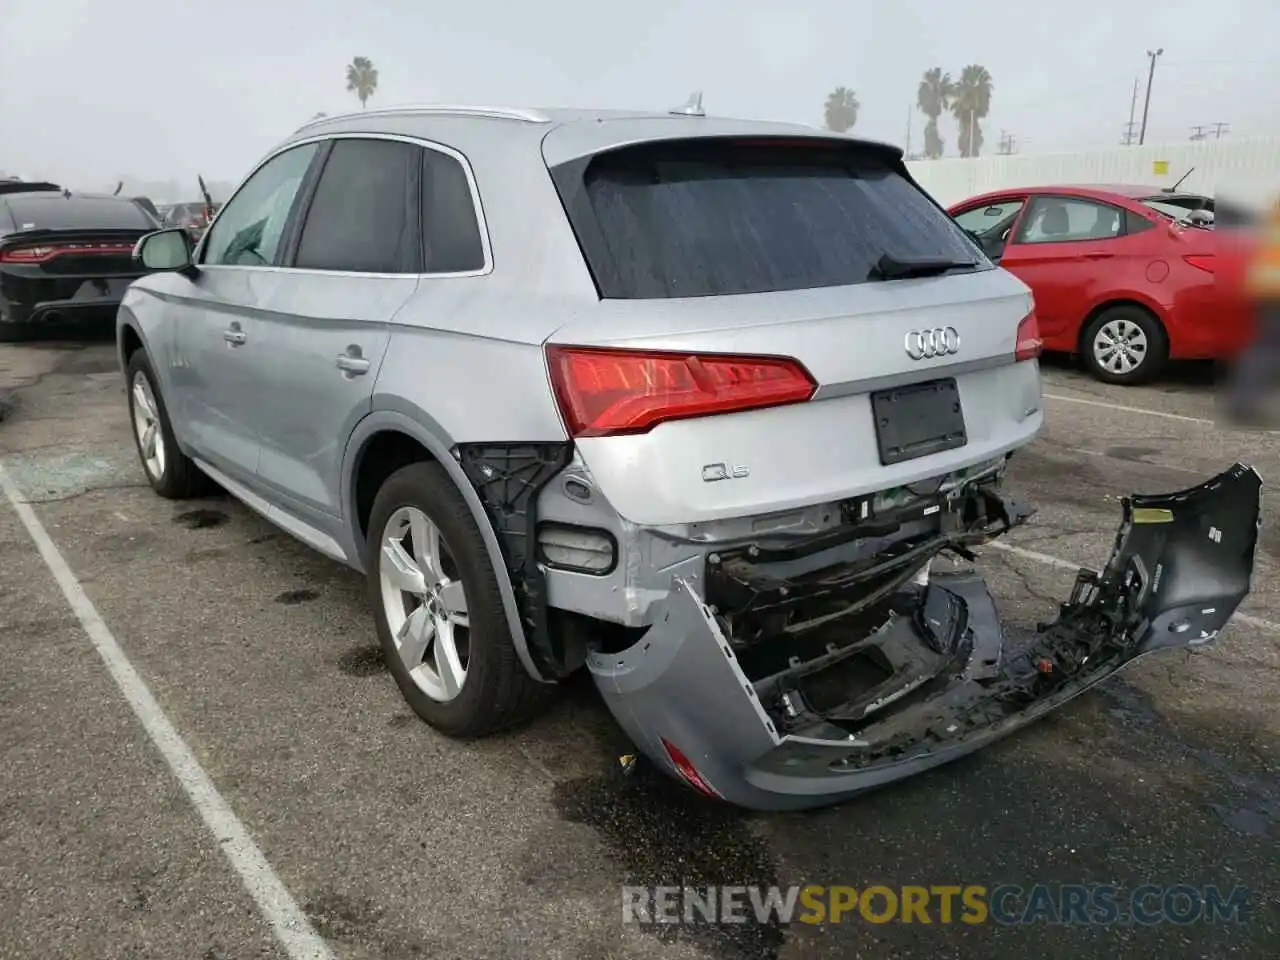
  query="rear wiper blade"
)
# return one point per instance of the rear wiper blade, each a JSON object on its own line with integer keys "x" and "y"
{"x": 889, "y": 267}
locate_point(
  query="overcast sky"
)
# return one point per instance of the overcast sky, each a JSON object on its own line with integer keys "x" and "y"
{"x": 159, "y": 89}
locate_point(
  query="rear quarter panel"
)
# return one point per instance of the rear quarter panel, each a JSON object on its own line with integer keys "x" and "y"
{"x": 468, "y": 389}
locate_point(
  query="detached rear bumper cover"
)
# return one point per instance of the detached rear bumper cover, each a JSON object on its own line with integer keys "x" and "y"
{"x": 1181, "y": 565}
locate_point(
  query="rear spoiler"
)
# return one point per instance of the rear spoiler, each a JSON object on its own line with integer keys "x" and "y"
{"x": 26, "y": 237}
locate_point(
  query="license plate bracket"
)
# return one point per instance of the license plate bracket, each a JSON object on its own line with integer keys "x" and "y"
{"x": 102, "y": 288}
{"x": 917, "y": 420}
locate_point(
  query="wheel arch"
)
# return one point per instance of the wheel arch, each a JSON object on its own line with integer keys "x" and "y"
{"x": 129, "y": 337}
{"x": 1147, "y": 306}
{"x": 393, "y": 435}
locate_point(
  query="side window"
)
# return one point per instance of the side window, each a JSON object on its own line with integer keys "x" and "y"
{"x": 1135, "y": 223}
{"x": 450, "y": 229}
{"x": 362, "y": 217}
{"x": 1063, "y": 219}
{"x": 248, "y": 232}
{"x": 990, "y": 219}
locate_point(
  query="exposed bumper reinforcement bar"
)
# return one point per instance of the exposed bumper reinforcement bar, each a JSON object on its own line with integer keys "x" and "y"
{"x": 947, "y": 677}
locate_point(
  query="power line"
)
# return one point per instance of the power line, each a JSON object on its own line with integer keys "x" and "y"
{"x": 1201, "y": 131}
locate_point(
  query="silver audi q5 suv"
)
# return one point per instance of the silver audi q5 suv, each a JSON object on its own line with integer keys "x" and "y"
{"x": 691, "y": 403}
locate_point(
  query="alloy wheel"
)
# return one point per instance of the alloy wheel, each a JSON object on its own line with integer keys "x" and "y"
{"x": 425, "y": 603}
{"x": 146, "y": 426}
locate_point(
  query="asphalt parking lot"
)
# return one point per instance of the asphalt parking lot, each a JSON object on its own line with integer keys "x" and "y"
{"x": 395, "y": 842}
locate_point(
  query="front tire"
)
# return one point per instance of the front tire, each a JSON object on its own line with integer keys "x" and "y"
{"x": 1125, "y": 345}
{"x": 439, "y": 612}
{"x": 171, "y": 473}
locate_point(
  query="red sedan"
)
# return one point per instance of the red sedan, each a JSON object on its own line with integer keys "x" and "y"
{"x": 1122, "y": 275}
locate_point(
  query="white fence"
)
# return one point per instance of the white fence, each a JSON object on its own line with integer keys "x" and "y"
{"x": 1242, "y": 170}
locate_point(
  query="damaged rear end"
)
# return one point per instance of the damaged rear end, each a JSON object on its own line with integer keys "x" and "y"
{"x": 801, "y": 386}
{"x": 802, "y": 674}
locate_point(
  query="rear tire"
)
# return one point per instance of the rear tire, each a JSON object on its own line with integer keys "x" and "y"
{"x": 1125, "y": 345}
{"x": 489, "y": 689}
{"x": 171, "y": 473}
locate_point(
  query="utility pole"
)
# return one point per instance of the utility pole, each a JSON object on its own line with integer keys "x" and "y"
{"x": 906, "y": 152}
{"x": 1197, "y": 132}
{"x": 1130, "y": 133}
{"x": 1146, "y": 107}
{"x": 1007, "y": 144}
{"x": 1219, "y": 129}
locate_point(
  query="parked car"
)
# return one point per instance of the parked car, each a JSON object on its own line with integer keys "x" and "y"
{"x": 193, "y": 217}
{"x": 152, "y": 210}
{"x": 690, "y": 402}
{"x": 64, "y": 256}
{"x": 1123, "y": 275}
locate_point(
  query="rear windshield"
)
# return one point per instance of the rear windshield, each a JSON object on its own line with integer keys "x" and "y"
{"x": 704, "y": 218}
{"x": 1177, "y": 207}
{"x": 57, "y": 212}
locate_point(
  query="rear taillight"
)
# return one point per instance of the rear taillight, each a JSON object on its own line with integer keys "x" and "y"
{"x": 1201, "y": 261}
{"x": 28, "y": 255}
{"x": 46, "y": 252}
{"x": 604, "y": 392}
{"x": 1028, "y": 344}
{"x": 688, "y": 771}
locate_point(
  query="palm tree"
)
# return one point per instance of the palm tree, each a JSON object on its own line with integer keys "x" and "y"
{"x": 362, "y": 78}
{"x": 841, "y": 109}
{"x": 932, "y": 98}
{"x": 970, "y": 103}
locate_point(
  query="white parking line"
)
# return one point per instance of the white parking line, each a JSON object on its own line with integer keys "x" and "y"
{"x": 1061, "y": 564}
{"x": 1124, "y": 409}
{"x": 289, "y": 924}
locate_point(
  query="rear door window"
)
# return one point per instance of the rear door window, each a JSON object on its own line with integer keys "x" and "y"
{"x": 1067, "y": 219}
{"x": 363, "y": 218}
{"x": 717, "y": 217}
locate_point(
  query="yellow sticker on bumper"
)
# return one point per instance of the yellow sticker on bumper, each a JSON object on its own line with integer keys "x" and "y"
{"x": 1152, "y": 515}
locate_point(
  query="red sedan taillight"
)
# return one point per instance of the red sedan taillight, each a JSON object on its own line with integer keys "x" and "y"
{"x": 605, "y": 392}
{"x": 1201, "y": 261}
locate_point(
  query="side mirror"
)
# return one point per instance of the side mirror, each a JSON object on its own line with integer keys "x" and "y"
{"x": 165, "y": 250}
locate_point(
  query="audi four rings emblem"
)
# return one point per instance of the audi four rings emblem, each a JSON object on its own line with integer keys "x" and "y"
{"x": 927, "y": 344}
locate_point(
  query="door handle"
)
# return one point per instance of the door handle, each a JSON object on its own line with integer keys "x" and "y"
{"x": 1098, "y": 256}
{"x": 234, "y": 337}
{"x": 353, "y": 366}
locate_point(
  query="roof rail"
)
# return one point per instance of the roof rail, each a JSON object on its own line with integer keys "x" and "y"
{"x": 440, "y": 109}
